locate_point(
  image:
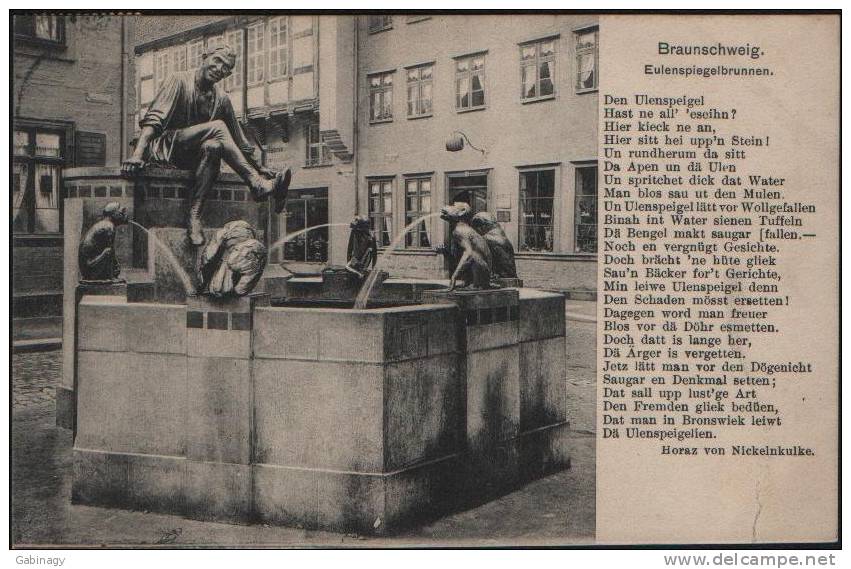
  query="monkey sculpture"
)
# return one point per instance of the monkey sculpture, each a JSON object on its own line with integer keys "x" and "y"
{"x": 363, "y": 250}
{"x": 470, "y": 248}
{"x": 502, "y": 251}
{"x": 96, "y": 255}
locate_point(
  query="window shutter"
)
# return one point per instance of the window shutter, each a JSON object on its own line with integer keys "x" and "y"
{"x": 91, "y": 149}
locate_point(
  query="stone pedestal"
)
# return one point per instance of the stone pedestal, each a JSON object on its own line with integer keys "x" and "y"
{"x": 515, "y": 381}
{"x": 349, "y": 420}
{"x": 341, "y": 419}
{"x": 66, "y": 400}
{"x": 510, "y": 282}
{"x": 489, "y": 332}
{"x": 158, "y": 200}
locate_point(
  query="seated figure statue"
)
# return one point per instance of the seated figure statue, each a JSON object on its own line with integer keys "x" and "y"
{"x": 363, "y": 250}
{"x": 233, "y": 261}
{"x": 501, "y": 248}
{"x": 96, "y": 255}
{"x": 191, "y": 124}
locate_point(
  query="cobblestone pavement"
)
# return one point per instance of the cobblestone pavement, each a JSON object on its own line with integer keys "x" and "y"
{"x": 34, "y": 377}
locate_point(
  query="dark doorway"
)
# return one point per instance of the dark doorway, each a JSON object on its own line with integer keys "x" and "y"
{"x": 470, "y": 188}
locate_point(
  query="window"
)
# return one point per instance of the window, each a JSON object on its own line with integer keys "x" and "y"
{"x": 537, "y": 197}
{"x": 586, "y": 209}
{"x": 39, "y": 155}
{"x": 381, "y": 97}
{"x": 417, "y": 204}
{"x": 179, "y": 61}
{"x": 537, "y": 69}
{"x": 214, "y": 41}
{"x": 234, "y": 81}
{"x": 470, "y": 82}
{"x": 256, "y": 54}
{"x": 413, "y": 19}
{"x": 381, "y": 210}
{"x": 470, "y": 188}
{"x": 195, "y": 53}
{"x": 419, "y": 82}
{"x": 307, "y": 208}
{"x": 42, "y": 27}
{"x": 586, "y": 60}
{"x": 278, "y": 67}
{"x": 317, "y": 152}
{"x": 162, "y": 68}
{"x": 380, "y": 23}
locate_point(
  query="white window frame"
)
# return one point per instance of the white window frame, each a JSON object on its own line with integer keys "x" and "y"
{"x": 579, "y": 52}
{"x": 233, "y": 38}
{"x": 418, "y": 84}
{"x": 162, "y": 69}
{"x": 468, "y": 75}
{"x": 316, "y": 143}
{"x": 537, "y": 61}
{"x": 279, "y": 23}
{"x": 382, "y": 89}
{"x": 382, "y": 212}
{"x": 194, "y": 60}
{"x": 555, "y": 214}
{"x": 255, "y": 57}
{"x": 577, "y": 166}
{"x": 418, "y": 179}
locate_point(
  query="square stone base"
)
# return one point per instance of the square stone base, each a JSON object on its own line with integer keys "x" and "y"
{"x": 313, "y": 498}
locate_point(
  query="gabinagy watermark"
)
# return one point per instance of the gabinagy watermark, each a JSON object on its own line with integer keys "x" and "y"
{"x": 39, "y": 560}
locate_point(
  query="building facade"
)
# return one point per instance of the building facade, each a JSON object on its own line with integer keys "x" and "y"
{"x": 293, "y": 90}
{"x": 68, "y": 100}
{"x": 520, "y": 92}
{"x": 393, "y": 116}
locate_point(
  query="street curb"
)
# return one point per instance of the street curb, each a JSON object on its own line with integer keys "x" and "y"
{"x": 39, "y": 345}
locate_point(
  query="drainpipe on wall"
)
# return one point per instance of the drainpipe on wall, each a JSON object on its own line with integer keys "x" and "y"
{"x": 244, "y": 72}
{"x": 355, "y": 114}
{"x": 122, "y": 96}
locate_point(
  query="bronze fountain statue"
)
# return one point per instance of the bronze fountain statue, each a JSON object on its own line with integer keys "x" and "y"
{"x": 96, "y": 255}
{"x": 470, "y": 248}
{"x": 363, "y": 250}
{"x": 191, "y": 125}
{"x": 233, "y": 261}
{"x": 502, "y": 251}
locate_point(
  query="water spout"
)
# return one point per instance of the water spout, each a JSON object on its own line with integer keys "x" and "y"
{"x": 181, "y": 273}
{"x": 280, "y": 242}
{"x": 366, "y": 288}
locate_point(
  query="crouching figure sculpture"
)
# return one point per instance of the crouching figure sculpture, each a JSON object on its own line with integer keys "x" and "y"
{"x": 363, "y": 249}
{"x": 470, "y": 248}
{"x": 502, "y": 251}
{"x": 233, "y": 261}
{"x": 96, "y": 255}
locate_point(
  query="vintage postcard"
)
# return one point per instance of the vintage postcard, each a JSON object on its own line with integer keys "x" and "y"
{"x": 424, "y": 279}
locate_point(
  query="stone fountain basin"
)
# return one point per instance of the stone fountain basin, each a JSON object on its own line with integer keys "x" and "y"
{"x": 350, "y": 420}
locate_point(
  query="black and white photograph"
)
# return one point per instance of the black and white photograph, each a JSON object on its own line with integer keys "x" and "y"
{"x": 303, "y": 279}
{"x": 426, "y": 279}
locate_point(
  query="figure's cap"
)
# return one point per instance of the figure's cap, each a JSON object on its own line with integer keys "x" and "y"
{"x": 226, "y": 52}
